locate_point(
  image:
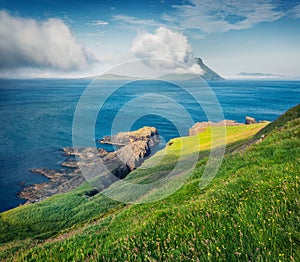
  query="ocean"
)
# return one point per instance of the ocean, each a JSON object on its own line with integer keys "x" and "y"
{"x": 36, "y": 117}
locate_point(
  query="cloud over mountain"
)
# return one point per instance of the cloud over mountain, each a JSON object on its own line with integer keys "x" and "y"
{"x": 163, "y": 44}
{"x": 30, "y": 43}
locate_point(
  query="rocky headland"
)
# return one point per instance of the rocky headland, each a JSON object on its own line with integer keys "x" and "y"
{"x": 200, "y": 127}
{"x": 103, "y": 168}
{"x": 147, "y": 134}
{"x": 98, "y": 165}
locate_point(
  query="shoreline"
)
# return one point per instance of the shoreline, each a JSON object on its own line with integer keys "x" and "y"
{"x": 117, "y": 165}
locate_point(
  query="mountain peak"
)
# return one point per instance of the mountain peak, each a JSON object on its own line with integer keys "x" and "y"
{"x": 205, "y": 72}
{"x": 198, "y": 61}
{"x": 208, "y": 74}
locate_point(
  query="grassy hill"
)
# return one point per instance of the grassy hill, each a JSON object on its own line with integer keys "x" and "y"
{"x": 249, "y": 212}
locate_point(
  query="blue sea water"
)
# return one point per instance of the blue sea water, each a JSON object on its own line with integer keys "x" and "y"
{"x": 36, "y": 117}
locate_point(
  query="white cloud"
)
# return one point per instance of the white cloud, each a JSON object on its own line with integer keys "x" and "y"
{"x": 171, "y": 47}
{"x": 29, "y": 43}
{"x": 211, "y": 16}
{"x": 163, "y": 44}
{"x": 296, "y": 11}
{"x": 98, "y": 22}
{"x": 197, "y": 69}
{"x": 135, "y": 21}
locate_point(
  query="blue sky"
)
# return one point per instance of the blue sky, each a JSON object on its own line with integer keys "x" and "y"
{"x": 77, "y": 38}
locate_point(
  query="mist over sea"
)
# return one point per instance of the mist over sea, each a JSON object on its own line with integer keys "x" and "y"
{"x": 36, "y": 118}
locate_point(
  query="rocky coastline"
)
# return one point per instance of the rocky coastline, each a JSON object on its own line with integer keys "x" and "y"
{"x": 200, "y": 127}
{"x": 135, "y": 146}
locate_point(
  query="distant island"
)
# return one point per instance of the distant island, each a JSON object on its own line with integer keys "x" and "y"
{"x": 208, "y": 75}
{"x": 261, "y": 75}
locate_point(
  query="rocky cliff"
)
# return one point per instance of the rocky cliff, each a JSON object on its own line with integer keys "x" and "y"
{"x": 98, "y": 165}
{"x": 208, "y": 74}
{"x": 201, "y": 126}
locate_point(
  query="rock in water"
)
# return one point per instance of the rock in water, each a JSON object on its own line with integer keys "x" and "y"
{"x": 60, "y": 181}
{"x": 250, "y": 120}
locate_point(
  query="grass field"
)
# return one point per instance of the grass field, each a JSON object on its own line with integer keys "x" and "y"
{"x": 249, "y": 212}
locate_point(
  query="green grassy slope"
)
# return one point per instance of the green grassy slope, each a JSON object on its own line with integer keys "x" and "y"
{"x": 45, "y": 219}
{"x": 250, "y": 211}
